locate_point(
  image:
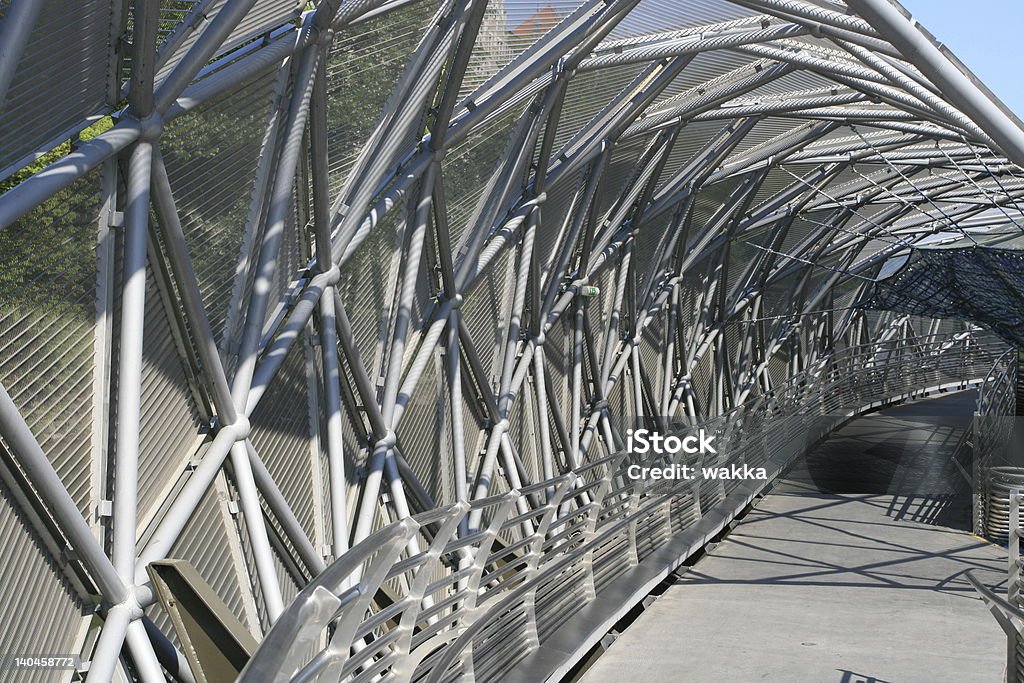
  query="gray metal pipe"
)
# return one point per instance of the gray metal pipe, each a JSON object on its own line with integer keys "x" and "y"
{"x": 200, "y": 53}
{"x": 285, "y": 516}
{"x": 277, "y": 218}
{"x": 383, "y": 460}
{"x": 169, "y": 656}
{"x": 34, "y": 190}
{"x": 184, "y": 274}
{"x": 692, "y": 44}
{"x": 958, "y": 87}
{"x": 188, "y": 499}
{"x": 129, "y": 369}
{"x": 263, "y": 555}
{"x": 337, "y": 483}
{"x": 33, "y": 461}
{"x": 274, "y": 355}
{"x": 335, "y": 439}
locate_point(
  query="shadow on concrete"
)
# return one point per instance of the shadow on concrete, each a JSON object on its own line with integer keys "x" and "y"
{"x": 855, "y": 562}
{"x": 918, "y": 454}
{"x": 822, "y": 531}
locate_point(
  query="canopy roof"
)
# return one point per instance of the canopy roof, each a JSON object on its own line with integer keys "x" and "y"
{"x": 385, "y": 255}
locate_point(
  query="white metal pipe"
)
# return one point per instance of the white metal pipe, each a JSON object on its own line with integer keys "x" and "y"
{"x": 129, "y": 368}
{"x": 108, "y": 647}
{"x": 335, "y": 438}
{"x": 200, "y": 53}
{"x": 252, "y": 510}
{"x": 188, "y": 284}
{"x": 147, "y": 667}
{"x": 40, "y": 473}
{"x": 36, "y": 189}
{"x": 188, "y": 499}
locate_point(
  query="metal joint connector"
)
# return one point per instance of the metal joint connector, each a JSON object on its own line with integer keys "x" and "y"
{"x": 240, "y": 428}
{"x": 388, "y": 440}
{"x": 151, "y": 127}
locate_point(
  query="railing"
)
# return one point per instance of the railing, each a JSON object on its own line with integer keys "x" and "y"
{"x": 994, "y": 421}
{"x": 547, "y": 570}
{"x": 1007, "y": 611}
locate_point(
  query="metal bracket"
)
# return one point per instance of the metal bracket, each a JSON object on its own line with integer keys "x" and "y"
{"x": 216, "y": 644}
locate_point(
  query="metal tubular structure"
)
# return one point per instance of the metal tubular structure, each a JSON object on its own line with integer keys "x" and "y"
{"x": 995, "y": 469}
{"x": 670, "y": 522}
{"x": 415, "y": 269}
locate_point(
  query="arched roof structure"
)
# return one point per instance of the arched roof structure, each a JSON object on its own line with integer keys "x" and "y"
{"x": 277, "y": 275}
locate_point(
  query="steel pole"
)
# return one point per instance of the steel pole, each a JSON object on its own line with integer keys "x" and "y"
{"x": 147, "y": 666}
{"x": 320, "y": 171}
{"x": 201, "y": 52}
{"x": 129, "y": 369}
{"x": 282, "y": 511}
{"x": 191, "y": 297}
{"x": 44, "y": 479}
{"x": 108, "y": 647}
{"x": 262, "y": 553}
{"x": 904, "y": 34}
{"x": 277, "y": 219}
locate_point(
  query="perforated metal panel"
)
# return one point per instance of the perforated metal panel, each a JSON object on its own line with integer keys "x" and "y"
{"x": 212, "y": 157}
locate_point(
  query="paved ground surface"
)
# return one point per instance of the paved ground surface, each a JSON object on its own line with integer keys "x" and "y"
{"x": 842, "y": 574}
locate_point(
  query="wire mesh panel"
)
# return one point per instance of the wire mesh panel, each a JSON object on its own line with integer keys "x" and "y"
{"x": 363, "y": 68}
{"x": 47, "y": 326}
{"x": 61, "y": 84}
{"x": 43, "y": 610}
{"x": 181, "y": 29}
{"x": 282, "y": 437}
{"x": 212, "y": 157}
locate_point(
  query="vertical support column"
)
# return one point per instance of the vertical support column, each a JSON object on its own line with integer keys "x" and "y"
{"x": 253, "y": 512}
{"x": 265, "y": 268}
{"x": 453, "y": 367}
{"x": 103, "y": 343}
{"x": 328, "y": 323}
{"x": 1018, "y": 383}
{"x": 133, "y": 295}
{"x": 382, "y": 460}
{"x": 1013, "y": 581}
{"x": 133, "y": 316}
{"x": 1013, "y": 548}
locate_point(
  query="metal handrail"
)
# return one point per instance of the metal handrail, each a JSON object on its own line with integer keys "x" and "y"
{"x": 595, "y": 526}
{"x": 1008, "y": 611}
{"x": 993, "y": 425}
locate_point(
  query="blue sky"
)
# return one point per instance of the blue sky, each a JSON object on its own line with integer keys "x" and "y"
{"x": 984, "y": 34}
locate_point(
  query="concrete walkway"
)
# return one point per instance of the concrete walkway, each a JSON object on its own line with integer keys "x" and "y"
{"x": 830, "y": 579}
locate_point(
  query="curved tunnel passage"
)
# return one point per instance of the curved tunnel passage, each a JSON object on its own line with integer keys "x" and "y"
{"x": 851, "y": 569}
{"x": 337, "y": 314}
